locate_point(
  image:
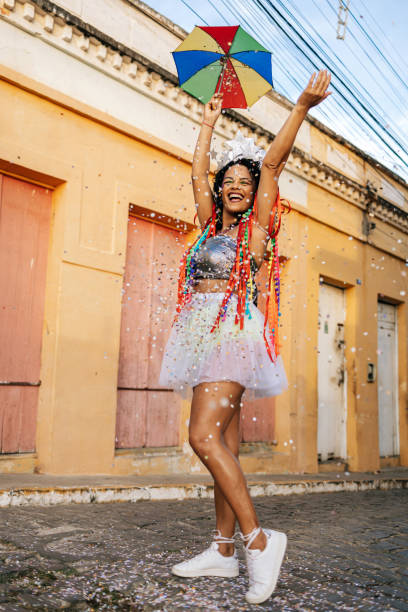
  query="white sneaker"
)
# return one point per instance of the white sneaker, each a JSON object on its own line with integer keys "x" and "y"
{"x": 210, "y": 562}
{"x": 263, "y": 565}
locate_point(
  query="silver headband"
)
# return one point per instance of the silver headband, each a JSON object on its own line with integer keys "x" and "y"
{"x": 237, "y": 148}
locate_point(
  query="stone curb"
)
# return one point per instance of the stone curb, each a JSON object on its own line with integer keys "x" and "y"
{"x": 50, "y": 496}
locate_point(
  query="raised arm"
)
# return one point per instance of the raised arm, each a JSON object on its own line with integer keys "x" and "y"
{"x": 201, "y": 160}
{"x": 277, "y": 154}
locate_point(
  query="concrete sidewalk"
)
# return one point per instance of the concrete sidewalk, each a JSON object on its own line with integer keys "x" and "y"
{"x": 47, "y": 490}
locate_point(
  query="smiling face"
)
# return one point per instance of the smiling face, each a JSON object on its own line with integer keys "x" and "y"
{"x": 238, "y": 189}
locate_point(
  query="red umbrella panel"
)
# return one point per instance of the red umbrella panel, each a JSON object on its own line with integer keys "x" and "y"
{"x": 224, "y": 59}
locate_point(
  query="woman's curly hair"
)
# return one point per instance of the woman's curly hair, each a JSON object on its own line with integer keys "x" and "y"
{"x": 254, "y": 168}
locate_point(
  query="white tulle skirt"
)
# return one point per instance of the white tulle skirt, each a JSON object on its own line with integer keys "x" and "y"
{"x": 194, "y": 355}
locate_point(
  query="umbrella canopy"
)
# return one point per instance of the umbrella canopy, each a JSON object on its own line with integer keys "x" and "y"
{"x": 224, "y": 59}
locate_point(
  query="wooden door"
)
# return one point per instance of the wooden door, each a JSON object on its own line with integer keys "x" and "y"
{"x": 387, "y": 380}
{"x": 258, "y": 416}
{"x": 146, "y": 415}
{"x": 331, "y": 437}
{"x": 25, "y": 213}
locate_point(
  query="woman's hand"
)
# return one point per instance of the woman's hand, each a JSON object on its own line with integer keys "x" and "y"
{"x": 212, "y": 109}
{"x": 315, "y": 91}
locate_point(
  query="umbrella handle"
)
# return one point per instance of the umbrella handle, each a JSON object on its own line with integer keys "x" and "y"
{"x": 224, "y": 61}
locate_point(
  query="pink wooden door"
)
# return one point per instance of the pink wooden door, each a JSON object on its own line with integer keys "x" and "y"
{"x": 25, "y": 213}
{"x": 147, "y": 416}
{"x": 258, "y": 417}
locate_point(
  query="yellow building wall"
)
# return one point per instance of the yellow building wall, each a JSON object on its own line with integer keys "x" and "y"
{"x": 99, "y": 172}
{"x": 97, "y": 167}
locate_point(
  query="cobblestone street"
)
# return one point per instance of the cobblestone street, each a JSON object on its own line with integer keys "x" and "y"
{"x": 346, "y": 551}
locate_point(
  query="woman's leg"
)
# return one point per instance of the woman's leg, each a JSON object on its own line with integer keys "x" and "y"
{"x": 212, "y": 409}
{"x": 225, "y": 517}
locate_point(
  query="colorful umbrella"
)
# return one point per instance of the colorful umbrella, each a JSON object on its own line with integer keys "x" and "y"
{"x": 224, "y": 59}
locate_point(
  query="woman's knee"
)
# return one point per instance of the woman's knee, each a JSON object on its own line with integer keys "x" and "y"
{"x": 201, "y": 443}
{"x": 197, "y": 441}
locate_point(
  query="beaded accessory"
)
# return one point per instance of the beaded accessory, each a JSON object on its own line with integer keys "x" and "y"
{"x": 259, "y": 226}
{"x": 241, "y": 279}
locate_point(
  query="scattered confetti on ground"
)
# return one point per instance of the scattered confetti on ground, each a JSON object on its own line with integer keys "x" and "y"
{"x": 346, "y": 551}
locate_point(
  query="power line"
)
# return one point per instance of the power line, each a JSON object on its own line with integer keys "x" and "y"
{"x": 390, "y": 66}
{"x": 385, "y": 37}
{"x": 345, "y": 81}
{"x": 391, "y": 89}
{"x": 378, "y": 135}
{"x": 371, "y": 60}
{"x": 274, "y": 42}
{"x": 369, "y": 122}
{"x": 193, "y": 11}
{"x": 334, "y": 54}
{"x": 217, "y": 11}
{"x": 279, "y": 45}
{"x": 340, "y": 80}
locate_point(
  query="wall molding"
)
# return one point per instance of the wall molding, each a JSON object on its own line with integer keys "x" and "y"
{"x": 59, "y": 28}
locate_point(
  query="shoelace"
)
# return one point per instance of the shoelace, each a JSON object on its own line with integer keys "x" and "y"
{"x": 220, "y": 538}
{"x": 248, "y": 539}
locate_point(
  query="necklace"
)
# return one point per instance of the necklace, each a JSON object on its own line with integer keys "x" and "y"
{"x": 227, "y": 229}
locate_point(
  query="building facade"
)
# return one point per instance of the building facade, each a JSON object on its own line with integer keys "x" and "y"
{"x": 96, "y": 206}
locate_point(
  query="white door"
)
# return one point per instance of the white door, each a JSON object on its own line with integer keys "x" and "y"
{"x": 331, "y": 429}
{"x": 387, "y": 380}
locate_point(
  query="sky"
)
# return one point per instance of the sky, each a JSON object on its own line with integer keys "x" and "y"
{"x": 378, "y": 77}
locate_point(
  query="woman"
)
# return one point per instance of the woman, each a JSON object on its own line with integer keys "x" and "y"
{"x": 220, "y": 346}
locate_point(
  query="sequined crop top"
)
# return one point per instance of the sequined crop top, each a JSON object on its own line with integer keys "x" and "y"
{"x": 215, "y": 259}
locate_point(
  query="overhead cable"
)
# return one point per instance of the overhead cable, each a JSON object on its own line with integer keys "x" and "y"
{"x": 269, "y": 6}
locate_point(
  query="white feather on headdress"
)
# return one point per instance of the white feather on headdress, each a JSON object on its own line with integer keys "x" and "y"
{"x": 237, "y": 148}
